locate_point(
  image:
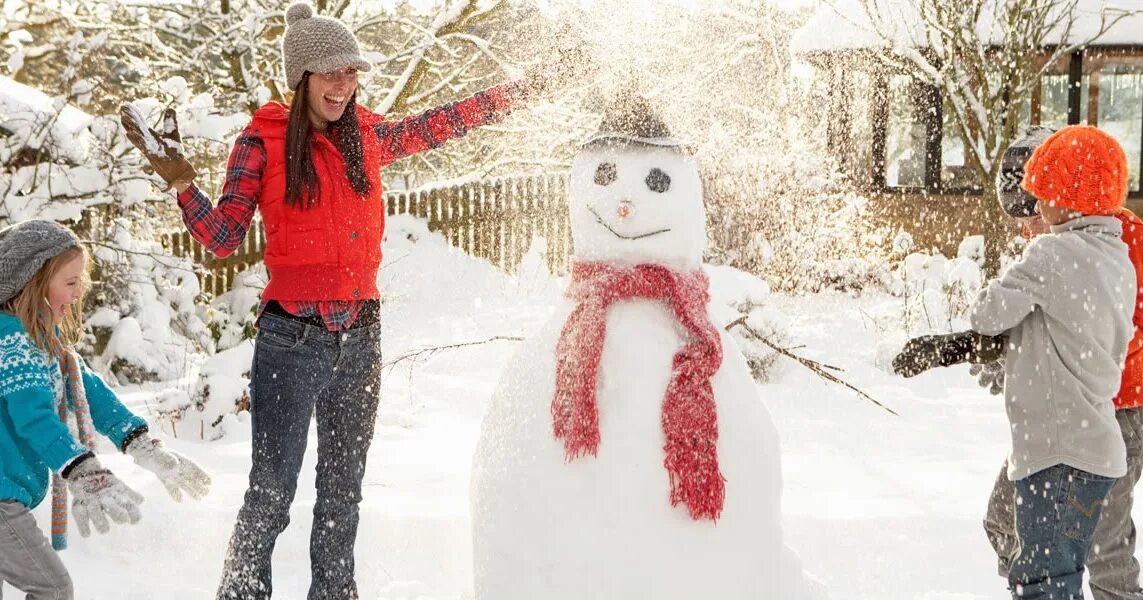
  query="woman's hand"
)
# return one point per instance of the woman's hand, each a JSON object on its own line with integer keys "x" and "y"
{"x": 163, "y": 150}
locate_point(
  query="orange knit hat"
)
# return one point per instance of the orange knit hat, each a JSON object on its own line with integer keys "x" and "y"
{"x": 1079, "y": 167}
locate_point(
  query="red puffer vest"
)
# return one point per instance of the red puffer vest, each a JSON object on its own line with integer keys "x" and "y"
{"x": 333, "y": 250}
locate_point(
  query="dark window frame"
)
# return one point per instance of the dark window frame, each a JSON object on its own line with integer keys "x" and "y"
{"x": 929, "y": 103}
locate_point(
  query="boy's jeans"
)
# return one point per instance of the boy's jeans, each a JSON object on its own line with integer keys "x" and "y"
{"x": 1111, "y": 564}
{"x": 300, "y": 371}
{"x": 27, "y": 560}
{"x": 1056, "y": 513}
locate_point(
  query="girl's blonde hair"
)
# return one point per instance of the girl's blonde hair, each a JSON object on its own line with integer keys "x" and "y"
{"x": 31, "y": 306}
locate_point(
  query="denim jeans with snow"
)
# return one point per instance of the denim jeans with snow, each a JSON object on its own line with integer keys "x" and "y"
{"x": 1056, "y": 513}
{"x": 1111, "y": 564}
{"x": 300, "y": 371}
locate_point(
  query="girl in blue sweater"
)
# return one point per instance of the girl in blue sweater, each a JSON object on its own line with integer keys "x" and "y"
{"x": 51, "y": 406}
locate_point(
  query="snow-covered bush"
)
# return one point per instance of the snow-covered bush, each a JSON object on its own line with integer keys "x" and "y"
{"x": 740, "y": 304}
{"x": 221, "y": 394}
{"x": 57, "y": 159}
{"x": 939, "y": 291}
{"x": 932, "y": 295}
{"x": 144, "y": 319}
{"x": 800, "y": 237}
{"x": 232, "y": 315}
{"x": 222, "y": 389}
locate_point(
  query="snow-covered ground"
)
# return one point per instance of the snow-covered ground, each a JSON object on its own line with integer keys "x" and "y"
{"x": 879, "y": 506}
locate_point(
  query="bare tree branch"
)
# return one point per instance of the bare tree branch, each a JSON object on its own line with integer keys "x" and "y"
{"x": 820, "y": 369}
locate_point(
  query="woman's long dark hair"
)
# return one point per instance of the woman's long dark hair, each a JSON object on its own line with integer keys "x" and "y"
{"x": 302, "y": 184}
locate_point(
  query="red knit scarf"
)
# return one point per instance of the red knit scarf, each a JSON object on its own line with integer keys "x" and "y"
{"x": 689, "y": 419}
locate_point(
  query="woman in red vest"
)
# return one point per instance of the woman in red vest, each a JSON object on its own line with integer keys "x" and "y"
{"x": 313, "y": 169}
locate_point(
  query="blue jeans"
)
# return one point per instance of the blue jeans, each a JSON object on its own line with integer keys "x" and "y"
{"x": 1056, "y": 513}
{"x": 300, "y": 371}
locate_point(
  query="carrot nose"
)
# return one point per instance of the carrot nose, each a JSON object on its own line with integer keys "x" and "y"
{"x": 624, "y": 209}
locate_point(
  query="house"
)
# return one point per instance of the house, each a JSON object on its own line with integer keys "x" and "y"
{"x": 890, "y": 132}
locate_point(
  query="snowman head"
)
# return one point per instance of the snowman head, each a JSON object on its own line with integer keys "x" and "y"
{"x": 636, "y": 196}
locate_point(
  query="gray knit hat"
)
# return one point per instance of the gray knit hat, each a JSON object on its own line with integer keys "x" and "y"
{"x": 317, "y": 45}
{"x": 24, "y": 248}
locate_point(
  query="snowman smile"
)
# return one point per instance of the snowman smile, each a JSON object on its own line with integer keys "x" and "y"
{"x": 600, "y": 220}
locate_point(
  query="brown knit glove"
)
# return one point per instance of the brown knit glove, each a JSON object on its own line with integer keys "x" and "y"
{"x": 164, "y": 150}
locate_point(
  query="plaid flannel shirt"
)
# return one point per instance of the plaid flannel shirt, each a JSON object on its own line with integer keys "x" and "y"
{"x": 222, "y": 227}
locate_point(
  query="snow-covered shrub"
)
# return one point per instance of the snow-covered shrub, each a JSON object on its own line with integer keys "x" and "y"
{"x": 740, "y": 304}
{"x": 222, "y": 392}
{"x": 939, "y": 291}
{"x": 798, "y": 239}
{"x": 932, "y": 295}
{"x": 144, "y": 320}
{"x": 232, "y": 315}
{"x": 222, "y": 389}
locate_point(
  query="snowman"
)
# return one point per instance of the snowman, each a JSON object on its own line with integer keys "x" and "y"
{"x": 625, "y": 453}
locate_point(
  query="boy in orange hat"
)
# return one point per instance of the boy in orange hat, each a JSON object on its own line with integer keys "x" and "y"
{"x": 1114, "y": 571}
{"x": 1111, "y": 563}
{"x": 1066, "y": 307}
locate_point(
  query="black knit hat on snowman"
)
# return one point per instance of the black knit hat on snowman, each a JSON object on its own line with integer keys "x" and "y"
{"x": 317, "y": 44}
{"x": 629, "y": 120}
{"x": 25, "y": 248}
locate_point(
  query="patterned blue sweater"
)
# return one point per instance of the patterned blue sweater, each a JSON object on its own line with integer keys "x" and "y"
{"x": 33, "y": 440}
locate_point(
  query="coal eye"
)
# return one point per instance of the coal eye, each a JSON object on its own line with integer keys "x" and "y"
{"x": 658, "y": 181}
{"x": 605, "y": 174}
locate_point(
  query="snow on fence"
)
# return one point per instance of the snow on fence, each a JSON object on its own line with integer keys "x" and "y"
{"x": 493, "y": 219}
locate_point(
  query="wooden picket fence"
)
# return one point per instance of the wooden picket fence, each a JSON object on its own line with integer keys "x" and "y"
{"x": 493, "y": 219}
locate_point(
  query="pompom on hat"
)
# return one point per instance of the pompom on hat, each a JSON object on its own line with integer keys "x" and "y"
{"x": 1081, "y": 168}
{"x": 25, "y": 248}
{"x": 317, "y": 44}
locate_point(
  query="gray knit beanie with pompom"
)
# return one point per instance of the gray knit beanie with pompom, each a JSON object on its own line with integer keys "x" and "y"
{"x": 25, "y": 248}
{"x": 317, "y": 44}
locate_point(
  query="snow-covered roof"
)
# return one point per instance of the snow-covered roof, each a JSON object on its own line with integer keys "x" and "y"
{"x": 32, "y": 119}
{"x": 839, "y": 25}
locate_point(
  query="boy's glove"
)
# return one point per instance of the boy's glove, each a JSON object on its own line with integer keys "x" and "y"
{"x": 928, "y": 351}
{"x": 989, "y": 375}
{"x": 164, "y": 150}
{"x": 177, "y": 473}
{"x": 100, "y": 494}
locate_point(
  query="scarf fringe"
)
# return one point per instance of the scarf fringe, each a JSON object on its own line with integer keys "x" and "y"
{"x": 74, "y": 402}
{"x": 689, "y": 419}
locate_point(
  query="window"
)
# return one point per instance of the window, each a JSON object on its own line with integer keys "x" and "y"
{"x": 905, "y": 135}
{"x": 1116, "y": 83}
{"x": 1054, "y": 100}
{"x": 957, "y": 172}
{"x": 861, "y": 124}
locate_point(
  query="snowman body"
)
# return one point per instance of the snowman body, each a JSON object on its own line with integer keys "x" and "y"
{"x": 603, "y": 527}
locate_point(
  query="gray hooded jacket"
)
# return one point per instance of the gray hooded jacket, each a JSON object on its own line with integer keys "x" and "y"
{"x": 1066, "y": 306}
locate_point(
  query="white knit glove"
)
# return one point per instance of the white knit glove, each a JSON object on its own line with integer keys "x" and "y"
{"x": 98, "y": 495}
{"x": 177, "y": 473}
